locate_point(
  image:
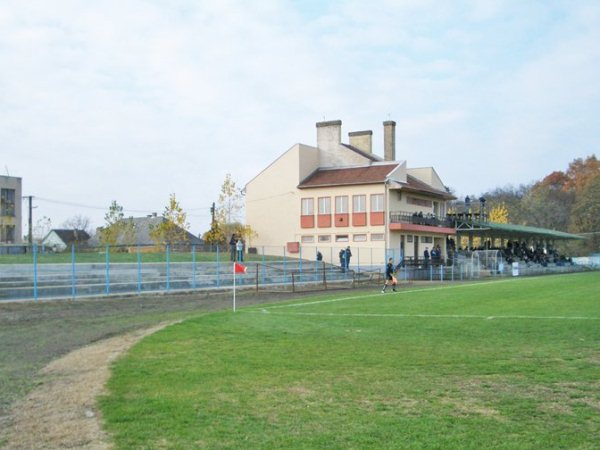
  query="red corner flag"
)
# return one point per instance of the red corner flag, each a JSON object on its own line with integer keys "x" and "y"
{"x": 239, "y": 268}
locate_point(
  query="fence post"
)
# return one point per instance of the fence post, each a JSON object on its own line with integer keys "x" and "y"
{"x": 218, "y": 267}
{"x": 256, "y": 277}
{"x": 73, "y": 275}
{"x": 139, "y": 270}
{"x": 284, "y": 261}
{"x": 168, "y": 250}
{"x": 107, "y": 276}
{"x": 194, "y": 266}
{"x": 35, "y": 272}
{"x": 431, "y": 272}
{"x": 300, "y": 260}
{"x": 264, "y": 270}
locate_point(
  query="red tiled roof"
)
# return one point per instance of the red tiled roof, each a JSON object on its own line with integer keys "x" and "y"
{"x": 348, "y": 176}
{"x": 416, "y": 185}
{"x": 366, "y": 175}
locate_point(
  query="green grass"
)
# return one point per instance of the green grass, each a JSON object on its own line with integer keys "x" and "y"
{"x": 507, "y": 364}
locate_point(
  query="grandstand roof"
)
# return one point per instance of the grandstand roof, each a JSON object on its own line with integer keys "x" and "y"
{"x": 508, "y": 230}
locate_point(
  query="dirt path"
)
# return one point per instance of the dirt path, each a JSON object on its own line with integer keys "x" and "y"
{"x": 61, "y": 413}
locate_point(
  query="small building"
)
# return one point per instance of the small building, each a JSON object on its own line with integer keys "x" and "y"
{"x": 59, "y": 240}
{"x": 10, "y": 210}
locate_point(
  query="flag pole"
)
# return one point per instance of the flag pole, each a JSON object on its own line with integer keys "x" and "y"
{"x": 234, "y": 277}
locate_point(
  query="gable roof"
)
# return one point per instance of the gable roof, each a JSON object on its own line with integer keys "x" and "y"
{"x": 415, "y": 185}
{"x": 374, "y": 174}
{"x": 348, "y": 176}
{"x": 70, "y": 236}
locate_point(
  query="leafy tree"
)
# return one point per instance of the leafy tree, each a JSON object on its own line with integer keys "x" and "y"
{"x": 498, "y": 214}
{"x": 174, "y": 227}
{"x": 117, "y": 230}
{"x": 511, "y": 198}
{"x": 230, "y": 204}
{"x": 581, "y": 172}
{"x": 546, "y": 205}
{"x": 229, "y": 208}
{"x": 586, "y": 214}
{"x": 215, "y": 235}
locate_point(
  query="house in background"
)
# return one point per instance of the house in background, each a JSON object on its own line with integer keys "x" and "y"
{"x": 142, "y": 227}
{"x": 10, "y": 210}
{"x": 336, "y": 194}
{"x": 59, "y": 240}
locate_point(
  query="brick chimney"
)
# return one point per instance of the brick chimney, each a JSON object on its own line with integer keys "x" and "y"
{"x": 362, "y": 140}
{"x": 389, "y": 140}
{"x": 329, "y": 134}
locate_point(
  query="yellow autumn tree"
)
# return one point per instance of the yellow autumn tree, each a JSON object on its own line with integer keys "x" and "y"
{"x": 174, "y": 227}
{"x": 499, "y": 214}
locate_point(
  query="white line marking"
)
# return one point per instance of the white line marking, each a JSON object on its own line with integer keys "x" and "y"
{"x": 425, "y": 316}
{"x": 378, "y": 294}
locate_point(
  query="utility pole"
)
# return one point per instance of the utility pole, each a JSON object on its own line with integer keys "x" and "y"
{"x": 212, "y": 212}
{"x": 30, "y": 222}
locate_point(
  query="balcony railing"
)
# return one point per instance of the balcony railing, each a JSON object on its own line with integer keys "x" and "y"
{"x": 429, "y": 220}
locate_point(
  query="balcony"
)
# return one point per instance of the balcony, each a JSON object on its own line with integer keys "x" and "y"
{"x": 428, "y": 220}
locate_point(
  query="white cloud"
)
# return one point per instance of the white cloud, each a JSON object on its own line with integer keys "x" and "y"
{"x": 133, "y": 100}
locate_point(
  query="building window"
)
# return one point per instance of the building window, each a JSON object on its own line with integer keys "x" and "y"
{"x": 307, "y": 239}
{"x": 377, "y": 203}
{"x": 377, "y": 237}
{"x": 426, "y": 239}
{"x": 7, "y": 202}
{"x": 359, "y": 238}
{"x": 324, "y": 205}
{"x": 409, "y": 238}
{"x": 308, "y": 206}
{"x": 341, "y": 238}
{"x": 359, "y": 203}
{"x": 7, "y": 233}
{"x": 341, "y": 204}
{"x": 324, "y": 238}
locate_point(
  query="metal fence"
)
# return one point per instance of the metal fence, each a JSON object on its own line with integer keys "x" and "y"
{"x": 40, "y": 274}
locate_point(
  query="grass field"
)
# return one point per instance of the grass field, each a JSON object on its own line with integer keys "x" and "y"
{"x": 505, "y": 364}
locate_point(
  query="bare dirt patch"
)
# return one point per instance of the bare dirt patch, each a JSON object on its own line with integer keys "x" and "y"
{"x": 61, "y": 413}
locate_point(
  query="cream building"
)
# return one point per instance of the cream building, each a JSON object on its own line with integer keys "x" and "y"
{"x": 336, "y": 195}
{"x": 10, "y": 210}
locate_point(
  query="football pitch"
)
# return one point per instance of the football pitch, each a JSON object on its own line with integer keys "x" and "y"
{"x": 512, "y": 363}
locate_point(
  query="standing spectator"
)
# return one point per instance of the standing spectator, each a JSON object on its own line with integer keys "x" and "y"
{"x": 348, "y": 255}
{"x": 389, "y": 276}
{"x": 319, "y": 256}
{"x": 239, "y": 246}
{"x": 426, "y": 256}
{"x": 232, "y": 249}
{"x": 342, "y": 256}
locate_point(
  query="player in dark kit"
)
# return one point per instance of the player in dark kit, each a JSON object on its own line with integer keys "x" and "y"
{"x": 389, "y": 276}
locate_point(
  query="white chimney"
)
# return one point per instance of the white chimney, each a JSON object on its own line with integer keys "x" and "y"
{"x": 362, "y": 140}
{"x": 329, "y": 134}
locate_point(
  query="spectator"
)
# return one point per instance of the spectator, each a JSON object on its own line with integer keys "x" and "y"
{"x": 232, "y": 249}
{"x": 342, "y": 256}
{"x": 426, "y": 256}
{"x": 239, "y": 246}
{"x": 347, "y": 256}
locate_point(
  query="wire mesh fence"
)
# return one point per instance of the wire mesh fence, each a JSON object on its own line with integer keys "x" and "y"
{"x": 103, "y": 271}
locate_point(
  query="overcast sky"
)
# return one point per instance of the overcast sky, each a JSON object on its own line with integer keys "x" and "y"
{"x": 132, "y": 100}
